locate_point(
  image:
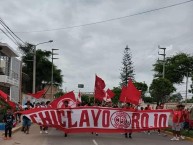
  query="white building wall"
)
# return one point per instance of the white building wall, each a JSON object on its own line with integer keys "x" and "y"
{"x": 16, "y": 71}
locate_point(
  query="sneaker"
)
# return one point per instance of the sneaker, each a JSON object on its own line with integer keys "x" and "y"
{"x": 174, "y": 138}
{"x": 46, "y": 132}
{"x": 9, "y": 138}
{"x": 148, "y": 133}
{"x": 5, "y": 138}
{"x": 182, "y": 137}
{"x": 40, "y": 132}
{"x": 96, "y": 134}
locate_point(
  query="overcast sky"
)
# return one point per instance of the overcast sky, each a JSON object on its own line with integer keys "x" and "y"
{"x": 98, "y": 49}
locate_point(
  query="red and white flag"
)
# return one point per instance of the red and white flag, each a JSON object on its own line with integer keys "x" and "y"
{"x": 99, "y": 92}
{"x": 79, "y": 100}
{"x": 109, "y": 95}
{"x": 59, "y": 102}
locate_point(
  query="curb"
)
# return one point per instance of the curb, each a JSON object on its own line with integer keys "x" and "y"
{"x": 186, "y": 138}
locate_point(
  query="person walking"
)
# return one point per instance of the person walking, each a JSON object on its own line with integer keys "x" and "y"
{"x": 8, "y": 120}
{"x": 26, "y": 122}
{"x": 176, "y": 126}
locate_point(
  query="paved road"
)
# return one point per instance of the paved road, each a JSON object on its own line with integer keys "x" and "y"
{"x": 57, "y": 138}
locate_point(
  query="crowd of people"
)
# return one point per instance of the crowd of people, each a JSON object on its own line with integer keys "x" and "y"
{"x": 182, "y": 118}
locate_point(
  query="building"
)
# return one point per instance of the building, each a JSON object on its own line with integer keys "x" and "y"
{"x": 50, "y": 91}
{"x": 10, "y": 72}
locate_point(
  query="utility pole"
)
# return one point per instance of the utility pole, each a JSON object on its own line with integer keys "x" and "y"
{"x": 164, "y": 57}
{"x": 52, "y": 74}
{"x": 187, "y": 74}
{"x": 34, "y": 65}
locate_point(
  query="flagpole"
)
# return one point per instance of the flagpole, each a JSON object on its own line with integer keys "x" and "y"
{"x": 76, "y": 101}
{"x": 94, "y": 89}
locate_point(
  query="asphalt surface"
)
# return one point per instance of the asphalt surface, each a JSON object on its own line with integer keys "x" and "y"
{"x": 55, "y": 137}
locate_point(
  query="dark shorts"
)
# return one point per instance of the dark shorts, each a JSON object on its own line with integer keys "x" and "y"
{"x": 26, "y": 122}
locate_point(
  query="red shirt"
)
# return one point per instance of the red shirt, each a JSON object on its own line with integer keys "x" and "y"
{"x": 186, "y": 116}
{"x": 182, "y": 117}
{"x": 176, "y": 116}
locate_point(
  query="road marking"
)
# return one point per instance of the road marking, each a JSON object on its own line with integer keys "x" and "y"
{"x": 95, "y": 142}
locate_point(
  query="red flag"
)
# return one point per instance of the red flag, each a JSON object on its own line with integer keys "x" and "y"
{"x": 99, "y": 94}
{"x": 130, "y": 94}
{"x": 99, "y": 88}
{"x": 39, "y": 94}
{"x": 11, "y": 104}
{"x": 123, "y": 95}
{"x": 110, "y": 94}
{"x": 99, "y": 83}
{"x": 59, "y": 102}
{"x": 4, "y": 96}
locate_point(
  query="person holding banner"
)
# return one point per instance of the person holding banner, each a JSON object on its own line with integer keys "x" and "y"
{"x": 129, "y": 107}
{"x": 18, "y": 113}
{"x": 66, "y": 105}
{"x": 26, "y": 121}
{"x": 176, "y": 126}
{"x": 43, "y": 128}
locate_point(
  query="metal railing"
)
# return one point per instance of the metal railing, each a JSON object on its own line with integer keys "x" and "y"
{"x": 9, "y": 73}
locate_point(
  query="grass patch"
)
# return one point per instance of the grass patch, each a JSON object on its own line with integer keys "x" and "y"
{"x": 183, "y": 132}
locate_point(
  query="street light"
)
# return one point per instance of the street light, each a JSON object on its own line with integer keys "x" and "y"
{"x": 52, "y": 76}
{"x": 34, "y": 65}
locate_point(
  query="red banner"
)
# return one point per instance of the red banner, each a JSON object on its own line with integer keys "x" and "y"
{"x": 99, "y": 119}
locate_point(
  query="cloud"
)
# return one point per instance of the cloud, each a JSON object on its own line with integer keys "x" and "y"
{"x": 98, "y": 49}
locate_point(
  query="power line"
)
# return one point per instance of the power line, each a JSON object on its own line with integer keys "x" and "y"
{"x": 10, "y": 31}
{"x": 108, "y": 20}
{"x": 8, "y": 36}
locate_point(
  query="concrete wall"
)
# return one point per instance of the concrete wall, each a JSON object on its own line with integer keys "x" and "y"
{"x": 16, "y": 74}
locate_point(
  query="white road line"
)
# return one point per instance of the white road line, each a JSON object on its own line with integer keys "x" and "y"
{"x": 95, "y": 142}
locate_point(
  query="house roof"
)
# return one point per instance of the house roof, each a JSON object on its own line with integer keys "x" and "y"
{"x": 7, "y": 50}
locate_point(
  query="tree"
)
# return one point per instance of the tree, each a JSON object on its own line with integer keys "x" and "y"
{"x": 176, "y": 68}
{"x": 87, "y": 99}
{"x": 141, "y": 86}
{"x": 148, "y": 99}
{"x": 191, "y": 86}
{"x": 160, "y": 89}
{"x": 59, "y": 94}
{"x": 127, "y": 70}
{"x": 43, "y": 68}
{"x": 175, "y": 97}
{"x": 117, "y": 92}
